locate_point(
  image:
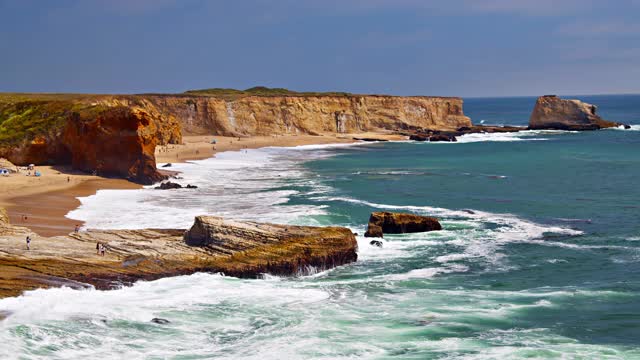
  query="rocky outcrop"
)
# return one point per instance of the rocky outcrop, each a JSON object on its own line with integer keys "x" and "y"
{"x": 399, "y": 223}
{"x": 111, "y": 137}
{"x": 242, "y": 249}
{"x": 281, "y": 115}
{"x": 551, "y": 112}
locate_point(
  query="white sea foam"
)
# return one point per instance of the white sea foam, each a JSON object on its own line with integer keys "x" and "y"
{"x": 247, "y": 185}
{"x": 632, "y": 128}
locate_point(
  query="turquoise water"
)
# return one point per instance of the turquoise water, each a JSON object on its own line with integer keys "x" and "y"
{"x": 539, "y": 256}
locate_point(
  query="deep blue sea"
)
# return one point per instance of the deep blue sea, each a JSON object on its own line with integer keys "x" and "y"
{"x": 539, "y": 257}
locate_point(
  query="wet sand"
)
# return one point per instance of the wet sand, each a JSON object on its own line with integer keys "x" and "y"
{"x": 45, "y": 212}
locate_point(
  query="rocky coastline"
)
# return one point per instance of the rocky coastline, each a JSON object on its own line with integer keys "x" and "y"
{"x": 240, "y": 249}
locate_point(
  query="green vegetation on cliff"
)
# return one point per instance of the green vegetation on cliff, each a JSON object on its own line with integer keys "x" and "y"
{"x": 259, "y": 91}
{"x": 23, "y": 118}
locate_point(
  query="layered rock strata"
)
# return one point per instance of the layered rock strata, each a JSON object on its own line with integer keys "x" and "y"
{"x": 281, "y": 115}
{"x": 242, "y": 249}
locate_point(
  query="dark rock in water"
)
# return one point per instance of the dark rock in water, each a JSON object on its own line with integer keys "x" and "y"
{"x": 373, "y": 230}
{"x": 377, "y": 243}
{"x": 369, "y": 139}
{"x": 418, "y": 137}
{"x": 400, "y": 223}
{"x": 168, "y": 185}
{"x": 160, "y": 321}
{"x": 191, "y": 186}
{"x": 166, "y": 165}
{"x": 355, "y": 234}
{"x": 442, "y": 137}
{"x": 469, "y": 211}
{"x": 627, "y": 127}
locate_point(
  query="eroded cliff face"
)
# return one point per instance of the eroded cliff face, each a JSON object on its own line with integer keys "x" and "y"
{"x": 113, "y": 137}
{"x": 117, "y": 135}
{"x": 552, "y": 112}
{"x": 278, "y": 115}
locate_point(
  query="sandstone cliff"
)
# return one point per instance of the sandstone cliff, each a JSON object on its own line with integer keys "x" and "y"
{"x": 242, "y": 249}
{"x": 109, "y": 136}
{"x": 551, "y": 112}
{"x": 117, "y": 135}
{"x": 276, "y": 115}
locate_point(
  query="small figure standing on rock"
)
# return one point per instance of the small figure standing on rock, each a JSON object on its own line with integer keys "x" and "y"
{"x": 28, "y": 242}
{"x": 102, "y": 250}
{"x": 77, "y": 229}
{"x": 97, "y": 248}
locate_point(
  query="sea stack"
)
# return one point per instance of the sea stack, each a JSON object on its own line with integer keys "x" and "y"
{"x": 399, "y": 223}
{"x": 554, "y": 113}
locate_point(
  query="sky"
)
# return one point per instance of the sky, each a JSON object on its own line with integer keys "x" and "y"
{"x": 470, "y": 48}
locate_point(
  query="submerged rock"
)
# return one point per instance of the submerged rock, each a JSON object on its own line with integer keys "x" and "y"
{"x": 160, "y": 321}
{"x": 442, "y": 137}
{"x": 377, "y": 243}
{"x": 554, "y": 113}
{"x": 400, "y": 223}
{"x": 166, "y": 165}
{"x": 168, "y": 185}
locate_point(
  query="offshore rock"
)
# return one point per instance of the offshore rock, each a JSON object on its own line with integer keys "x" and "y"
{"x": 377, "y": 243}
{"x": 401, "y": 223}
{"x": 374, "y": 230}
{"x": 553, "y": 113}
{"x": 168, "y": 186}
{"x": 241, "y": 249}
{"x": 442, "y": 137}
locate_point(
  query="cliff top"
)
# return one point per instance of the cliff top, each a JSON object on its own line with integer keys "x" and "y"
{"x": 224, "y": 93}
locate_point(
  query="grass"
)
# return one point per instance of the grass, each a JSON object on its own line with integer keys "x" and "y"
{"x": 24, "y": 117}
{"x": 260, "y": 91}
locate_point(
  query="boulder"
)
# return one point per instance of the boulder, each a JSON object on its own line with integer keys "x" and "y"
{"x": 189, "y": 186}
{"x": 166, "y": 165}
{"x": 377, "y": 243}
{"x": 401, "y": 223}
{"x": 418, "y": 137}
{"x": 554, "y": 113}
{"x": 442, "y": 137}
{"x": 160, "y": 321}
{"x": 168, "y": 185}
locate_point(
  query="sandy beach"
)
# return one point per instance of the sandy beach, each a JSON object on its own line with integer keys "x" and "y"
{"x": 41, "y": 203}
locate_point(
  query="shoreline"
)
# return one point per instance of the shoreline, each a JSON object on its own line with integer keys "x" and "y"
{"x": 47, "y": 199}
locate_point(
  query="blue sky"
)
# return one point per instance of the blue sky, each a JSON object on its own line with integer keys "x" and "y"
{"x": 402, "y": 47}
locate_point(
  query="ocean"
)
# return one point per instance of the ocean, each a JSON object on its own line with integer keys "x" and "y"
{"x": 539, "y": 257}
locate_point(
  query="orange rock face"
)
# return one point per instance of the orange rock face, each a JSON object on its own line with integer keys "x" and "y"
{"x": 120, "y": 142}
{"x": 112, "y": 137}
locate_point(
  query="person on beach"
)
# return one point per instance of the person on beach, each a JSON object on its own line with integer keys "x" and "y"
{"x": 98, "y": 248}
{"x": 102, "y": 249}
{"x": 77, "y": 229}
{"x": 28, "y": 242}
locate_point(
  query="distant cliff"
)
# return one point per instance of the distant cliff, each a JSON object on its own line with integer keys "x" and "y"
{"x": 116, "y": 135}
{"x": 269, "y": 115}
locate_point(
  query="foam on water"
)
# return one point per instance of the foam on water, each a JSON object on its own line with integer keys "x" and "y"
{"x": 245, "y": 185}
